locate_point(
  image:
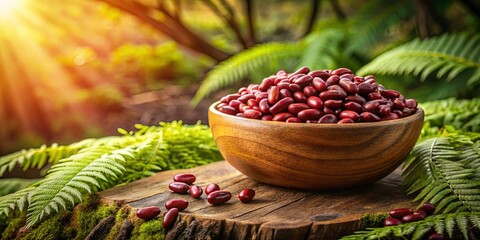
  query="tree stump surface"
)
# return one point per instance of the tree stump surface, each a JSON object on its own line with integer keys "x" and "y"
{"x": 274, "y": 213}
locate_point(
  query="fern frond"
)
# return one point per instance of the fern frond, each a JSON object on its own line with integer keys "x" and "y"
{"x": 19, "y": 199}
{"x": 321, "y": 47}
{"x": 374, "y": 18}
{"x": 62, "y": 186}
{"x": 460, "y": 113}
{"x": 445, "y": 172}
{"x": 442, "y": 223}
{"x": 448, "y": 55}
{"x": 241, "y": 65}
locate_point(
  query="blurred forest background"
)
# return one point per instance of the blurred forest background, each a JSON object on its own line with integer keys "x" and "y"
{"x": 83, "y": 68}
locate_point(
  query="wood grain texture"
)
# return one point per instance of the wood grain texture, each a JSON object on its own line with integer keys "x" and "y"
{"x": 274, "y": 213}
{"x": 314, "y": 156}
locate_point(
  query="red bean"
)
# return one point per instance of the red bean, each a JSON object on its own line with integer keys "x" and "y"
{"x": 370, "y": 106}
{"x": 399, "y": 213}
{"x": 280, "y": 79}
{"x": 309, "y": 91}
{"x": 281, "y": 73}
{"x": 219, "y": 197}
{"x": 353, "y": 106}
{"x": 267, "y": 117}
{"x": 345, "y": 120}
{"x": 228, "y": 110}
{"x": 428, "y": 208}
{"x": 252, "y": 103}
{"x": 347, "y": 76}
{"x": 234, "y": 104}
{"x": 170, "y": 218}
{"x": 303, "y": 81}
{"x": 358, "y": 79}
{"x": 399, "y": 104}
{"x": 295, "y": 108}
{"x": 408, "y": 112}
{"x": 319, "y": 74}
{"x": 390, "y": 93}
{"x": 332, "y": 80}
{"x": 148, "y": 213}
{"x": 365, "y": 88}
{"x": 327, "y": 110}
{"x": 299, "y": 97}
{"x": 331, "y": 94}
{"x": 179, "y": 187}
{"x": 436, "y": 236}
{"x": 281, "y": 105}
{"x": 285, "y": 93}
{"x": 263, "y": 105}
{"x": 282, "y": 117}
{"x": 412, "y": 218}
{"x": 246, "y": 195}
{"x": 349, "y": 114}
{"x": 294, "y": 87}
{"x": 391, "y": 222}
{"x": 253, "y": 114}
{"x": 261, "y": 96}
{"x": 319, "y": 84}
{"x": 356, "y": 98}
{"x": 231, "y": 97}
{"x": 328, "y": 118}
{"x": 196, "y": 191}
{"x": 187, "y": 178}
{"x": 348, "y": 85}
{"x": 384, "y": 110}
{"x": 302, "y": 70}
{"x": 283, "y": 85}
{"x": 212, "y": 187}
{"x": 180, "y": 204}
{"x": 374, "y": 95}
{"x": 309, "y": 114}
{"x": 411, "y": 103}
{"x": 273, "y": 95}
{"x": 421, "y": 212}
{"x": 244, "y": 98}
{"x": 222, "y": 104}
{"x": 391, "y": 116}
{"x": 266, "y": 83}
{"x": 242, "y": 89}
{"x": 341, "y": 71}
{"x": 293, "y": 120}
{"x": 369, "y": 117}
{"x": 333, "y": 104}
{"x": 340, "y": 89}
{"x": 315, "y": 102}
{"x": 240, "y": 115}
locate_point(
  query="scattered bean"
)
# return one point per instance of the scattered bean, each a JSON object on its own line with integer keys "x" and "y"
{"x": 212, "y": 187}
{"x": 179, "y": 187}
{"x": 218, "y": 197}
{"x": 148, "y": 213}
{"x": 246, "y": 195}
{"x": 169, "y": 218}
{"x": 187, "y": 178}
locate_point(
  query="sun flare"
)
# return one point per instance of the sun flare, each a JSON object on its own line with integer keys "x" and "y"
{"x": 8, "y": 7}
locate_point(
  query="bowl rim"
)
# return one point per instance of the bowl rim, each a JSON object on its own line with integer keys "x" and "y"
{"x": 419, "y": 114}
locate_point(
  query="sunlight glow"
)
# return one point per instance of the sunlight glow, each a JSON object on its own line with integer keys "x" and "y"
{"x": 9, "y": 6}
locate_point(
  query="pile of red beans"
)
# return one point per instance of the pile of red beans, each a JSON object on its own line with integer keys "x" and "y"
{"x": 183, "y": 184}
{"x": 320, "y": 96}
{"x": 406, "y": 215}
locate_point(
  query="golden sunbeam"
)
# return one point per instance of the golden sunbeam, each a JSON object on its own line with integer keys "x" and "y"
{"x": 9, "y": 7}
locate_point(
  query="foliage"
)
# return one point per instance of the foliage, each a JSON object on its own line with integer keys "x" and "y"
{"x": 102, "y": 163}
{"x": 443, "y": 223}
{"x": 318, "y": 50}
{"x": 453, "y": 57}
{"x": 460, "y": 113}
{"x": 10, "y": 185}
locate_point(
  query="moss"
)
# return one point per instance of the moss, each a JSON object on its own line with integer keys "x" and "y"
{"x": 122, "y": 214}
{"x": 12, "y": 227}
{"x": 370, "y": 220}
{"x": 90, "y": 213}
{"x": 148, "y": 230}
{"x": 49, "y": 229}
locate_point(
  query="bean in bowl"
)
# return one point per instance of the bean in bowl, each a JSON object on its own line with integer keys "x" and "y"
{"x": 319, "y": 96}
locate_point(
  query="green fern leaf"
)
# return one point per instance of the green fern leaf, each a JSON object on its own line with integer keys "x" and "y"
{"x": 448, "y": 55}
{"x": 321, "y": 47}
{"x": 47, "y": 198}
{"x": 15, "y": 200}
{"x": 241, "y": 65}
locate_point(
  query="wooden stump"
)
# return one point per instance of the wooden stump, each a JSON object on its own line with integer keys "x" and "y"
{"x": 275, "y": 212}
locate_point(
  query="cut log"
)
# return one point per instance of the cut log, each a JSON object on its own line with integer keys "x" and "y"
{"x": 274, "y": 213}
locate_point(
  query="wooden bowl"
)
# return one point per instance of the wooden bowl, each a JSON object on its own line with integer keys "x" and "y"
{"x": 314, "y": 156}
